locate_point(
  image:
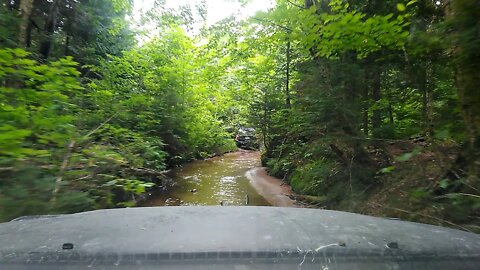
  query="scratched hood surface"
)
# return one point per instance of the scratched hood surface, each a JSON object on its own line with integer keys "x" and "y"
{"x": 231, "y": 236}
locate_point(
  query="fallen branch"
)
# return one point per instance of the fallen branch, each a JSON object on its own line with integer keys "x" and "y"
{"x": 274, "y": 24}
{"x": 59, "y": 178}
{"x": 308, "y": 198}
{"x": 146, "y": 171}
{"x": 449, "y": 195}
{"x": 339, "y": 153}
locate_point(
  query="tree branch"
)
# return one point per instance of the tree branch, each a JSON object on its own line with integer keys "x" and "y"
{"x": 98, "y": 127}
{"x": 14, "y": 169}
{"x": 296, "y": 5}
{"x": 146, "y": 171}
{"x": 66, "y": 159}
{"x": 274, "y": 24}
{"x": 59, "y": 178}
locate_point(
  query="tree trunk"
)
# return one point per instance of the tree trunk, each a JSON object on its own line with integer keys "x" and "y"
{"x": 464, "y": 15}
{"x": 50, "y": 24}
{"x": 28, "y": 37}
{"x": 67, "y": 44}
{"x": 376, "y": 96}
{"x": 309, "y": 3}
{"x": 426, "y": 88}
{"x": 265, "y": 121}
{"x": 287, "y": 81}
{"x": 390, "y": 113}
{"x": 366, "y": 104}
{"x": 26, "y": 7}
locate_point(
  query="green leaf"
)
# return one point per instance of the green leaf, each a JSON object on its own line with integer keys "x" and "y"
{"x": 444, "y": 183}
{"x": 404, "y": 157}
{"x": 388, "y": 169}
{"x": 408, "y": 156}
{"x": 401, "y": 7}
{"x": 419, "y": 193}
{"x": 111, "y": 183}
{"x": 411, "y": 2}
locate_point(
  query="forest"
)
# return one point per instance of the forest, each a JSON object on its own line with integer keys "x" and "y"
{"x": 367, "y": 106}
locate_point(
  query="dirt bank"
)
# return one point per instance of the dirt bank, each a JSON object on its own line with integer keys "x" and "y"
{"x": 271, "y": 188}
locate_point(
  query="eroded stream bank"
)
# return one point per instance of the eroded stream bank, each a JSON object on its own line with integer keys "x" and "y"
{"x": 232, "y": 179}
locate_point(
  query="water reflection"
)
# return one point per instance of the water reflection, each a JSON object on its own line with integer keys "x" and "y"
{"x": 215, "y": 181}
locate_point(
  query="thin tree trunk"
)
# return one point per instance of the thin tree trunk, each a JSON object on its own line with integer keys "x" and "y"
{"x": 28, "y": 37}
{"x": 69, "y": 29}
{"x": 390, "y": 113}
{"x": 365, "y": 105}
{"x": 50, "y": 24}
{"x": 265, "y": 121}
{"x": 365, "y": 120}
{"x": 427, "y": 110}
{"x": 26, "y": 7}
{"x": 429, "y": 88}
{"x": 67, "y": 44}
{"x": 287, "y": 81}
{"x": 376, "y": 96}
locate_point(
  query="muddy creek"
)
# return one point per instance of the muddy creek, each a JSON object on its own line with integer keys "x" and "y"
{"x": 230, "y": 179}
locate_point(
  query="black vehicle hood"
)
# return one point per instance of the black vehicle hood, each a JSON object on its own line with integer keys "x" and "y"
{"x": 248, "y": 236}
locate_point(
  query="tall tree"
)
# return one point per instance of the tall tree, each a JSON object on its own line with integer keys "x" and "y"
{"x": 463, "y": 16}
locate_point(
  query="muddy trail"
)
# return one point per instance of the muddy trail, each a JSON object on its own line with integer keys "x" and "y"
{"x": 232, "y": 179}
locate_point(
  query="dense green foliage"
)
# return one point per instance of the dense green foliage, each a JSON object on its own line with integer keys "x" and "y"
{"x": 99, "y": 134}
{"x": 347, "y": 95}
{"x": 376, "y": 92}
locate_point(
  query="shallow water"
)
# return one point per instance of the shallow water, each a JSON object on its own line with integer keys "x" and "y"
{"x": 215, "y": 181}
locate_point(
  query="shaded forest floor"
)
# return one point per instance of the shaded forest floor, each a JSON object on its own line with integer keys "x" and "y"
{"x": 409, "y": 191}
